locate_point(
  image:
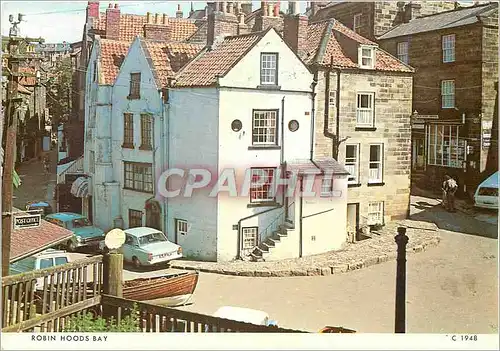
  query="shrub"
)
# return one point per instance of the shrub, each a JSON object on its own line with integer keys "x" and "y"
{"x": 87, "y": 323}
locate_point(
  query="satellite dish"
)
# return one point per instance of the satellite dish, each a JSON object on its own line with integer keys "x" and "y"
{"x": 114, "y": 239}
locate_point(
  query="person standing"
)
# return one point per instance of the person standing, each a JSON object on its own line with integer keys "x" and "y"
{"x": 450, "y": 187}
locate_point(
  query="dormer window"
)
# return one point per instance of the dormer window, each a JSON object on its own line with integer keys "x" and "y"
{"x": 366, "y": 56}
{"x": 269, "y": 69}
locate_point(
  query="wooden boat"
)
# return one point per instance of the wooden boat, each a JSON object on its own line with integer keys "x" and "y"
{"x": 168, "y": 290}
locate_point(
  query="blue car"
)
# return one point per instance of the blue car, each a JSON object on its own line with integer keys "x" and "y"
{"x": 84, "y": 233}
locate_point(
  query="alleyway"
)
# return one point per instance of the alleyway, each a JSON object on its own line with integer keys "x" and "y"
{"x": 36, "y": 185}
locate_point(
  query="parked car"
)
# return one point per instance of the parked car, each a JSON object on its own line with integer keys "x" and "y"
{"x": 486, "y": 195}
{"x": 45, "y": 259}
{"x": 85, "y": 234}
{"x": 148, "y": 247}
{"x": 44, "y": 207}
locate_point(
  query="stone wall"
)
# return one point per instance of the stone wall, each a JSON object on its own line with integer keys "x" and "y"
{"x": 392, "y": 128}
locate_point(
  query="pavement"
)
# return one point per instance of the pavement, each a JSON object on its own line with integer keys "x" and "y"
{"x": 381, "y": 248}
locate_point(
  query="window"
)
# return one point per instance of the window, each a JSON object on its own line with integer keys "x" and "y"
{"x": 260, "y": 185}
{"x": 364, "y": 110}
{"x": 80, "y": 223}
{"x": 146, "y": 122}
{"x": 130, "y": 240}
{"x": 134, "y": 218}
{"x": 139, "y": 176}
{"x": 249, "y": 237}
{"x": 352, "y": 163}
{"x": 135, "y": 86}
{"x": 448, "y": 94}
{"x": 61, "y": 260}
{"x": 92, "y": 162}
{"x": 46, "y": 263}
{"x": 375, "y": 173}
{"x": 444, "y": 146}
{"x": 403, "y": 51}
{"x": 265, "y": 127}
{"x": 181, "y": 227}
{"x": 269, "y": 69}
{"x": 332, "y": 98}
{"x": 448, "y": 48}
{"x": 156, "y": 237}
{"x": 366, "y": 56}
{"x": 376, "y": 213}
{"x": 128, "y": 130}
{"x": 356, "y": 26}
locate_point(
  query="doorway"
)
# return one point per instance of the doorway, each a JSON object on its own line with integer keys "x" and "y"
{"x": 352, "y": 221}
{"x": 418, "y": 154}
{"x": 153, "y": 214}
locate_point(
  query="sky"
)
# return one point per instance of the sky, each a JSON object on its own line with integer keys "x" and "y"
{"x": 59, "y": 21}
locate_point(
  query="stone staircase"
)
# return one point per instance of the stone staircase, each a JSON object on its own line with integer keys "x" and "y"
{"x": 264, "y": 251}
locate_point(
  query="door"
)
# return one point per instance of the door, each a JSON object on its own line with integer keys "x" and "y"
{"x": 418, "y": 154}
{"x": 153, "y": 218}
{"x": 352, "y": 221}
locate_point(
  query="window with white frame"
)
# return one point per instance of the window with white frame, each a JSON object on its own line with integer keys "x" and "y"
{"x": 249, "y": 237}
{"x": 181, "y": 227}
{"x": 327, "y": 186}
{"x": 403, "y": 51}
{"x": 264, "y": 127}
{"x": 356, "y": 25}
{"x": 269, "y": 68}
{"x": 365, "y": 110}
{"x": 366, "y": 56}
{"x": 332, "y": 98}
{"x": 376, "y": 213}
{"x": 447, "y": 93}
{"x": 444, "y": 147}
{"x": 448, "y": 42}
{"x": 352, "y": 162}
{"x": 260, "y": 185}
{"x": 376, "y": 168}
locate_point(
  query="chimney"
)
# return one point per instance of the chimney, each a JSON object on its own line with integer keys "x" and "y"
{"x": 220, "y": 25}
{"x": 230, "y": 8}
{"x": 157, "y": 28}
{"x": 266, "y": 18}
{"x": 113, "y": 22}
{"x": 92, "y": 10}
{"x": 295, "y": 31}
{"x": 411, "y": 11}
{"x": 263, "y": 7}
{"x": 179, "y": 13}
{"x": 191, "y": 12}
{"x": 277, "y": 9}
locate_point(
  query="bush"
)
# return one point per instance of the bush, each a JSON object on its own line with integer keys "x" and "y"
{"x": 87, "y": 323}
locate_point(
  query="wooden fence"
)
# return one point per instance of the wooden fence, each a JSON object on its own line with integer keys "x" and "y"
{"x": 43, "y": 300}
{"x": 158, "y": 319}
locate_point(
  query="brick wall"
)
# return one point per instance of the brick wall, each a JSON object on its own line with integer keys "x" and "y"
{"x": 113, "y": 22}
{"x": 221, "y": 24}
{"x": 392, "y": 115}
{"x": 489, "y": 95}
{"x": 263, "y": 22}
{"x": 156, "y": 31}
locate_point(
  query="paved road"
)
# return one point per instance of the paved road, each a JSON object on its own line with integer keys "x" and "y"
{"x": 451, "y": 288}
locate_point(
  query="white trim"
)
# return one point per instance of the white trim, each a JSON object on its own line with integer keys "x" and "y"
{"x": 371, "y": 57}
{"x": 448, "y": 47}
{"x": 376, "y": 175}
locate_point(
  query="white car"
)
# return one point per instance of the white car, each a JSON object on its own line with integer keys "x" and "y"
{"x": 246, "y": 315}
{"x": 486, "y": 195}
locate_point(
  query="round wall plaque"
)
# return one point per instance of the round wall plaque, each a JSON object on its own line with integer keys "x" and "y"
{"x": 236, "y": 125}
{"x": 114, "y": 239}
{"x": 293, "y": 125}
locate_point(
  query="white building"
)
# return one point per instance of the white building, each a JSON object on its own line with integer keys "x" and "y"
{"x": 244, "y": 103}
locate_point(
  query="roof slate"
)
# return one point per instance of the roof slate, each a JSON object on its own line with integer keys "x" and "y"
{"x": 112, "y": 54}
{"x": 205, "y": 69}
{"x": 443, "y": 20}
{"x": 29, "y": 241}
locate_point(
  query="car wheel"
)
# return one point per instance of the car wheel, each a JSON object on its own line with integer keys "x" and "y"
{"x": 71, "y": 247}
{"x": 136, "y": 262}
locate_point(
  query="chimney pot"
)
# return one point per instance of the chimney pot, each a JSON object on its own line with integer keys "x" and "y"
{"x": 116, "y": 6}
{"x": 110, "y": 6}
{"x": 270, "y": 10}
{"x": 165, "y": 18}
{"x": 157, "y": 18}
{"x": 263, "y": 6}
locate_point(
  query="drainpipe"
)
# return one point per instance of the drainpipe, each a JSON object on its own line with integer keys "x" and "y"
{"x": 282, "y": 131}
{"x": 300, "y": 214}
{"x": 337, "y": 117}
{"x": 326, "y": 117}
{"x": 313, "y": 113}
{"x": 167, "y": 156}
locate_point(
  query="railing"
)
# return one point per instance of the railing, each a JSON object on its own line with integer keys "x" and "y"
{"x": 157, "y": 319}
{"x": 76, "y": 167}
{"x": 364, "y": 117}
{"x": 44, "y": 299}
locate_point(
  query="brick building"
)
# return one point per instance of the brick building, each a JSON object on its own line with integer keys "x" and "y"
{"x": 372, "y": 19}
{"x": 455, "y": 55}
{"x": 362, "y": 115}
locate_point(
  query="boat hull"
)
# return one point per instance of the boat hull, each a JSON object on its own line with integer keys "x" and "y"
{"x": 170, "y": 290}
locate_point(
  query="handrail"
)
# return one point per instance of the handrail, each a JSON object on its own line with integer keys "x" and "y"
{"x": 40, "y": 273}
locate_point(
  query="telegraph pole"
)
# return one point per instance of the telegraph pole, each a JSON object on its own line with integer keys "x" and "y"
{"x": 10, "y": 142}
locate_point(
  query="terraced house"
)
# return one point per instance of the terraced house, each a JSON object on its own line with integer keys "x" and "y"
{"x": 455, "y": 95}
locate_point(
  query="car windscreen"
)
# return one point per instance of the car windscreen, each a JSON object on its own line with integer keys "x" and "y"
{"x": 152, "y": 238}
{"x": 81, "y": 222}
{"x": 487, "y": 191}
{"x": 61, "y": 260}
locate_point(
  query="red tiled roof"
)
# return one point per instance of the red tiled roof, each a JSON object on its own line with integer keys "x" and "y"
{"x": 132, "y": 26}
{"x": 169, "y": 58}
{"x": 29, "y": 241}
{"x": 27, "y": 81}
{"x": 113, "y": 53}
{"x": 323, "y": 44}
{"x": 204, "y": 70}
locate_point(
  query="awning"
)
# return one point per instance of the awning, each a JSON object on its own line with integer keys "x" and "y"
{"x": 80, "y": 187}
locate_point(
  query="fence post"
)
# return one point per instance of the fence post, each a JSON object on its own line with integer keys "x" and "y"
{"x": 112, "y": 265}
{"x": 400, "y": 320}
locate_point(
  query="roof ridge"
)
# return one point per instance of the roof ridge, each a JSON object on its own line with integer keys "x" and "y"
{"x": 455, "y": 10}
